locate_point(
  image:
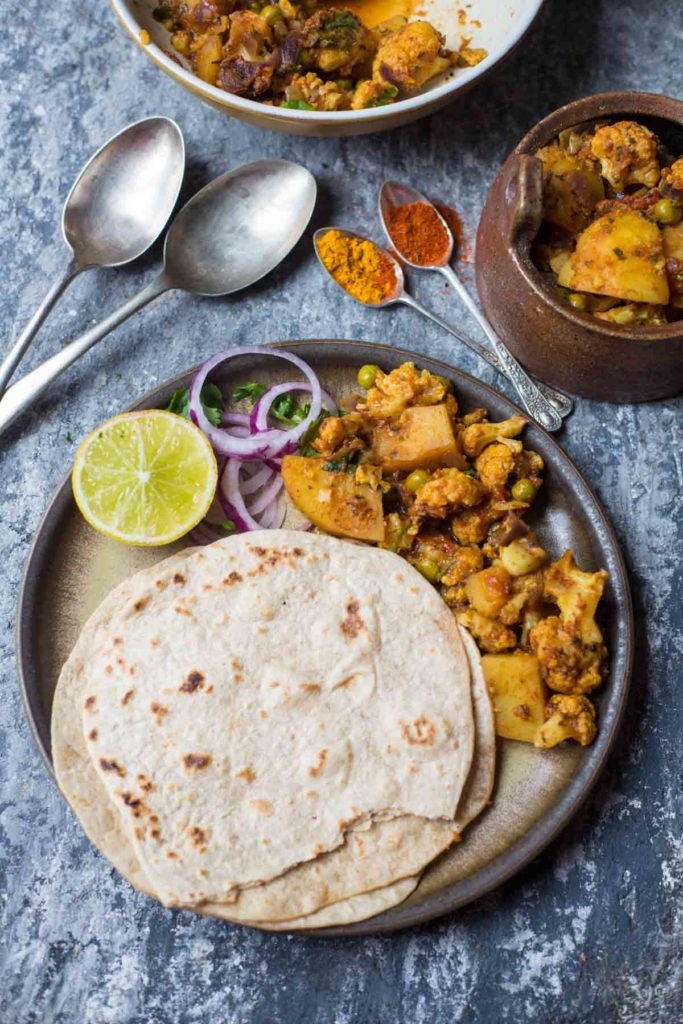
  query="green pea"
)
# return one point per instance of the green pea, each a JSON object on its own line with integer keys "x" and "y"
{"x": 578, "y": 301}
{"x": 429, "y": 569}
{"x": 523, "y": 490}
{"x": 367, "y": 375}
{"x": 667, "y": 212}
{"x": 416, "y": 480}
{"x": 272, "y": 14}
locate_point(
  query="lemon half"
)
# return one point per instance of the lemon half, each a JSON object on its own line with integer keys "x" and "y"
{"x": 145, "y": 478}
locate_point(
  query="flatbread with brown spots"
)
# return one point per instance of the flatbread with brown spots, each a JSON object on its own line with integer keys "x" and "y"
{"x": 326, "y": 880}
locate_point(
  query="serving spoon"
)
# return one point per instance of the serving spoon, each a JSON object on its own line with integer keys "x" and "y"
{"x": 541, "y": 410}
{"x": 117, "y": 207}
{"x": 394, "y": 194}
{"x": 228, "y": 236}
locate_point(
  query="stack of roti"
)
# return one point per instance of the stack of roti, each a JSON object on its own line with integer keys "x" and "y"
{"x": 282, "y": 729}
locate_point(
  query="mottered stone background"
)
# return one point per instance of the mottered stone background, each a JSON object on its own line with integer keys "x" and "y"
{"x": 591, "y": 931}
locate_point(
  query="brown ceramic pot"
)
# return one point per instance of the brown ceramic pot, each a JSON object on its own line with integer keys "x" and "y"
{"x": 567, "y": 348}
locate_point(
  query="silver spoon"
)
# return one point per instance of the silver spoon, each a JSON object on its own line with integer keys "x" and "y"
{"x": 229, "y": 235}
{"x": 548, "y": 417}
{"x": 393, "y": 194}
{"x": 117, "y": 208}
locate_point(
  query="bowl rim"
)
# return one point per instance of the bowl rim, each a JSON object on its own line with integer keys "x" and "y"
{"x": 588, "y": 108}
{"x": 123, "y": 11}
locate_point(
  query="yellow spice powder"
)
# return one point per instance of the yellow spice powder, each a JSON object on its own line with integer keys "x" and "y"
{"x": 359, "y": 266}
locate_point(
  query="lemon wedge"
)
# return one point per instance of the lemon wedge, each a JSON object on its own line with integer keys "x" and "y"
{"x": 145, "y": 478}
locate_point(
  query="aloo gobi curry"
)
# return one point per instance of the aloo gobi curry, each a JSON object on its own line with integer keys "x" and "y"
{"x": 406, "y": 469}
{"x": 307, "y": 57}
{"x": 612, "y": 234}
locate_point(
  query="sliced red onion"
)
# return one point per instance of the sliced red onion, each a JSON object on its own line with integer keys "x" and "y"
{"x": 258, "y": 480}
{"x": 273, "y": 517}
{"x": 268, "y": 444}
{"x": 232, "y": 500}
{"x": 267, "y": 496}
{"x": 236, "y": 419}
{"x": 202, "y": 534}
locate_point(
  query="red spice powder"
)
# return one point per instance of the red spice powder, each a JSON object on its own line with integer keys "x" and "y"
{"x": 453, "y": 219}
{"x": 418, "y": 234}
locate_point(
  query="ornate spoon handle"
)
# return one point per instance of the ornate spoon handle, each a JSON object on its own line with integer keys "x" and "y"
{"x": 545, "y": 393}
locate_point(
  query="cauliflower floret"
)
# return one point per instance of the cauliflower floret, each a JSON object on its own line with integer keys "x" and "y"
{"x": 568, "y": 718}
{"x": 472, "y": 526}
{"x": 628, "y": 154}
{"x": 393, "y": 392}
{"x": 494, "y": 466}
{"x": 318, "y": 94}
{"x": 399, "y": 532}
{"x": 478, "y": 435}
{"x": 447, "y": 490}
{"x": 373, "y": 93}
{"x": 567, "y": 664}
{"x": 491, "y": 636}
{"x": 527, "y": 596}
{"x": 331, "y": 436}
{"x": 576, "y": 594}
{"x": 671, "y": 182}
{"x": 335, "y": 40}
{"x": 411, "y": 56}
{"x": 465, "y": 561}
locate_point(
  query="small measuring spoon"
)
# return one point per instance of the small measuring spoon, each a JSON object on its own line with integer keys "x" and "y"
{"x": 117, "y": 208}
{"x": 393, "y": 194}
{"x": 547, "y": 415}
{"x": 228, "y": 236}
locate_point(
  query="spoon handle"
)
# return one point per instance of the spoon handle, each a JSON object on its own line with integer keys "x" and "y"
{"x": 24, "y": 393}
{"x": 561, "y": 402}
{"x": 20, "y": 346}
{"x": 477, "y": 347}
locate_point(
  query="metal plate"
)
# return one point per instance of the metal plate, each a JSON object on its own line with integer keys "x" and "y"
{"x": 70, "y": 568}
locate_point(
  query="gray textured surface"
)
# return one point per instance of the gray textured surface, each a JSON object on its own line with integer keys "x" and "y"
{"x": 592, "y": 930}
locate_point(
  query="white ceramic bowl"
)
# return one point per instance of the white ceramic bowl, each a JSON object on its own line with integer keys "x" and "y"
{"x": 496, "y": 25}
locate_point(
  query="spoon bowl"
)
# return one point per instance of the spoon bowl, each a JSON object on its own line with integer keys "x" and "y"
{"x": 239, "y": 227}
{"x": 231, "y": 234}
{"x": 116, "y": 209}
{"x": 123, "y": 197}
{"x": 545, "y": 404}
{"x": 393, "y": 194}
{"x": 399, "y": 293}
{"x": 548, "y": 414}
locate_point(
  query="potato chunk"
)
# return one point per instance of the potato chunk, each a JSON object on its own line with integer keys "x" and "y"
{"x": 208, "y": 59}
{"x": 333, "y": 500}
{"x": 621, "y": 254}
{"x": 572, "y": 187}
{"x": 518, "y": 694}
{"x": 421, "y": 437}
{"x": 489, "y": 590}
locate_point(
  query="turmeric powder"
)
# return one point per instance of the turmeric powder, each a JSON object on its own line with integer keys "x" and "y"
{"x": 359, "y": 266}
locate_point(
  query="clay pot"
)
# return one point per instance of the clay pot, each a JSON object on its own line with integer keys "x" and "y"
{"x": 570, "y": 349}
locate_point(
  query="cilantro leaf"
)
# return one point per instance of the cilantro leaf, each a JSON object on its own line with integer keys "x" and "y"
{"x": 251, "y": 390}
{"x": 297, "y": 105}
{"x": 211, "y": 399}
{"x": 309, "y": 436}
{"x": 229, "y": 526}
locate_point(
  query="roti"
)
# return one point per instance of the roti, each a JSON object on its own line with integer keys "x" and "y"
{"x": 357, "y": 580}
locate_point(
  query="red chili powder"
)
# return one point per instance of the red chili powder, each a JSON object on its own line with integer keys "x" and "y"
{"x": 454, "y": 221}
{"x": 418, "y": 234}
